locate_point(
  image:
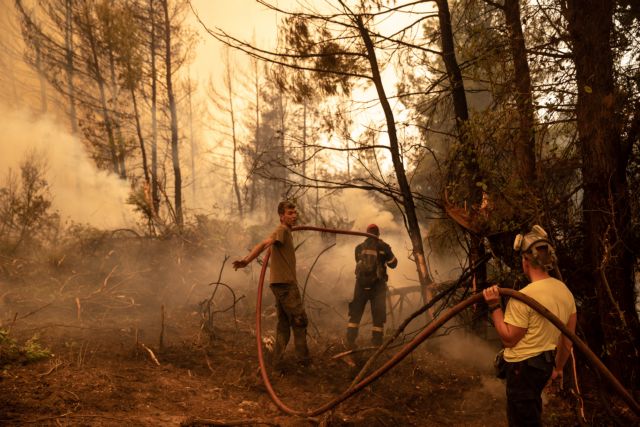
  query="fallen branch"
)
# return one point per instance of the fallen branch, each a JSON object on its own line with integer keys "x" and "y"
{"x": 210, "y": 422}
{"x": 153, "y": 356}
{"x": 209, "y": 363}
{"x": 16, "y": 318}
{"x": 55, "y": 366}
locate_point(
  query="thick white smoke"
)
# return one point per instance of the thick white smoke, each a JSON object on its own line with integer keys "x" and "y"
{"x": 80, "y": 191}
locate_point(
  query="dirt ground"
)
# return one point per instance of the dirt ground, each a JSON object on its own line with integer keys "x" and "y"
{"x": 99, "y": 310}
{"x": 101, "y": 375}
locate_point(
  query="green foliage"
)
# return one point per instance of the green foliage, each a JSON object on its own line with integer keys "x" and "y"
{"x": 12, "y": 352}
{"x": 33, "y": 351}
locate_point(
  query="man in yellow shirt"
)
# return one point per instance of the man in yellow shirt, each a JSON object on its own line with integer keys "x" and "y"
{"x": 529, "y": 339}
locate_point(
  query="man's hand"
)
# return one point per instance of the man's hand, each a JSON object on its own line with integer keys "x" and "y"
{"x": 491, "y": 295}
{"x": 554, "y": 385}
{"x": 241, "y": 263}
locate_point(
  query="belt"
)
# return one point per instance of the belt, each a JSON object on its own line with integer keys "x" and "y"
{"x": 540, "y": 361}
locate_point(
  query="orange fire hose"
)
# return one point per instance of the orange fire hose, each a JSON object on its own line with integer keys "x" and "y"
{"x": 418, "y": 339}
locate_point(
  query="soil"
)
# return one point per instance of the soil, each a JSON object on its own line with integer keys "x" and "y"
{"x": 115, "y": 362}
{"x": 99, "y": 376}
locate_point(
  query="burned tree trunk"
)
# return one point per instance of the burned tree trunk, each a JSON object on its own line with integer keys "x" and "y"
{"x": 611, "y": 315}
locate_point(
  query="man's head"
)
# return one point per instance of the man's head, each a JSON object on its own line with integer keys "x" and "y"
{"x": 288, "y": 213}
{"x": 373, "y": 229}
{"x": 536, "y": 250}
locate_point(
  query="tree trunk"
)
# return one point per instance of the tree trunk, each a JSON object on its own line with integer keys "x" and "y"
{"x": 97, "y": 75}
{"x": 304, "y": 142}
{"x": 461, "y": 110}
{"x": 192, "y": 142}
{"x": 234, "y": 140}
{"x": 606, "y": 195}
{"x": 256, "y": 144}
{"x": 120, "y": 144}
{"x": 525, "y": 142}
{"x": 407, "y": 198}
{"x": 175, "y": 157}
{"x": 143, "y": 151}
{"x": 42, "y": 81}
{"x": 68, "y": 44}
{"x": 155, "y": 193}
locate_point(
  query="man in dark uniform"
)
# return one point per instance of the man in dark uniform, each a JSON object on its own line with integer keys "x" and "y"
{"x": 284, "y": 285}
{"x": 373, "y": 256}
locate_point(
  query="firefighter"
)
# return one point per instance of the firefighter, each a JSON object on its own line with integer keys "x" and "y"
{"x": 373, "y": 256}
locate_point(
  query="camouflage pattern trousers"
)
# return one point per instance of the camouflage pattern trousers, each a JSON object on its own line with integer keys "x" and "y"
{"x": 291, "y": 316}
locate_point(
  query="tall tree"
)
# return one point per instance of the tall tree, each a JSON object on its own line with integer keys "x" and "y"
{"x": 153, "y": 41}
{"x": 467, "y": 150}
{"x": 605, "y": 205}
{"x": 525, "y": 141}
{"x": 413, "y": 225}
{"x": 69, "y": 67}
{"x": 175, "y": 155}
{"x": 223, "y": 102}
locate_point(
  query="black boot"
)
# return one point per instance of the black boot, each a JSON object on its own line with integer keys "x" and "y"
{"x": 352, "y": 334}
{"x": 376, "y": 338}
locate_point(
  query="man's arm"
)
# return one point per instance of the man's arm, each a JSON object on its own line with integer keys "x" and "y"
{"x": 564, "y": 348}
{"x": 509, "y": 334}
{"x": 392, "y": 261}
{"x": 257, "y": 250}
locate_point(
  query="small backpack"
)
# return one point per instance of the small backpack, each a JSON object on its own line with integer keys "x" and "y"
{"x": 369, "y": 267}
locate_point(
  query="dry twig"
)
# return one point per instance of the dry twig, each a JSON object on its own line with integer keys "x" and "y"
{"x": 210, "y": 422}
{"x": 153, "y": 356}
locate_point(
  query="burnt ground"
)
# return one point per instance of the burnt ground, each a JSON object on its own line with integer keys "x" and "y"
{"x": 98, "y": 311}
{"x": 100, "y": 375}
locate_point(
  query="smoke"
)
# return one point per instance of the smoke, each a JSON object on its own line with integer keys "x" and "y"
{"x": 80, "y": 191}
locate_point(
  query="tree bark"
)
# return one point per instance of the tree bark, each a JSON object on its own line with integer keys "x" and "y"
{"x": 461, "y": 110}
{"x": 143, "y": 151}
{"x": 234, "y": 140}
{"x": 42, "y": 81}
{"x": 155, "y": 193}
{"x": 612, "y": 320}
{"x": 192, "y": 141}
{"x": 120, "y": 144}
{"x": 68, "y": 44}
{"x": 97, "y": 75}
{"x": 175, "y": 157}
{"x": 525, "y": 142}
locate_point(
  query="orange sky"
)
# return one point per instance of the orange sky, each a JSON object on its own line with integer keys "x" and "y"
{"x": 239, "y": 18}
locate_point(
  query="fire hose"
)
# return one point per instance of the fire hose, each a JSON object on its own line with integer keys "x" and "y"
{"x": 418, "y": 339}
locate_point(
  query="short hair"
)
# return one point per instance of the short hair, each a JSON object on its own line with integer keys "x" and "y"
{"x": 284, "y": 205}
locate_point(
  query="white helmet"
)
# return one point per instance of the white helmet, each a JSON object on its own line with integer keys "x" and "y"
{"x": 537, "y": 239}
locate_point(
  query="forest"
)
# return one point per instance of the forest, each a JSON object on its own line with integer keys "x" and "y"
{"x": 130, "y": 182}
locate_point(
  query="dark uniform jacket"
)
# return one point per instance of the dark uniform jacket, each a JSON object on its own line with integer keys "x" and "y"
{"x": 381, "y": 250}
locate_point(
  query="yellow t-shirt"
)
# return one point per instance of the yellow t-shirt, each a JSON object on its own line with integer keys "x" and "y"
{"x": 541, "y": 334}
{"x": 283, "y": 257}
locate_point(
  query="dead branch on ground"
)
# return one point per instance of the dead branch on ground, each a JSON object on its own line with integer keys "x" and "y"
{"x": 150, "y": 352}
